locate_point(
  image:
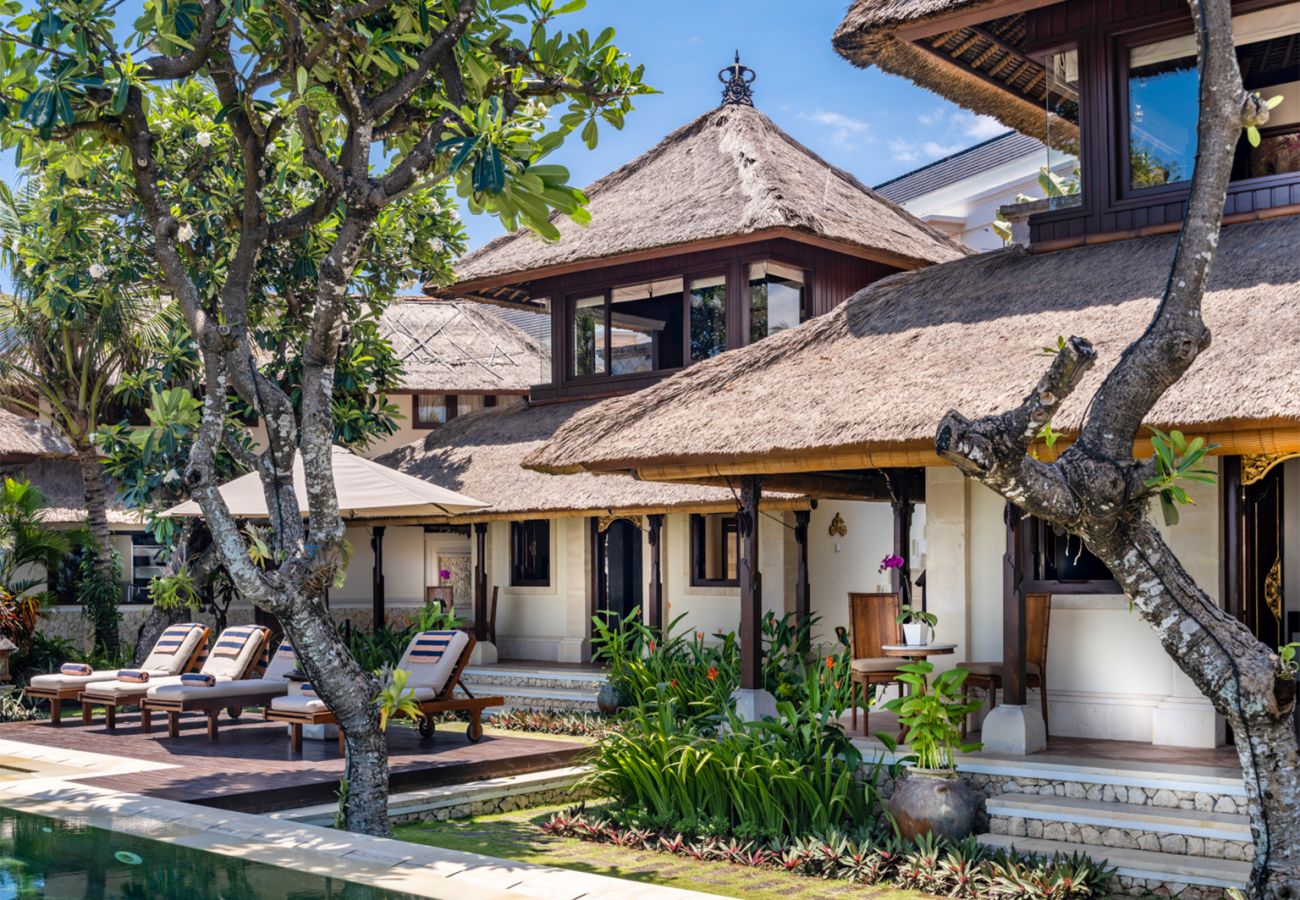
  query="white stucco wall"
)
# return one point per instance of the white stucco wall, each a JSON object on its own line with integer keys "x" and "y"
{"x": 548, "y": 623}
{"x": 1107, "y": 675}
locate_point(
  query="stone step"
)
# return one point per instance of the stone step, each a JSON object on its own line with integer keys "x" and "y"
{"x": 556, "y": 679}
{"x": 1139, "y": 869}
{"x": 1122, "y": 826}
{"x": 536, "y": 697}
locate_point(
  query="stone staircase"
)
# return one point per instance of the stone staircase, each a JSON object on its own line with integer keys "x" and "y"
{"x": 1180, "y": 829}
{"x": 537, "y": 688}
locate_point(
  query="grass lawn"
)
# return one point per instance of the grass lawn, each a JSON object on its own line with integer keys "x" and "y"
{"x": 517, "y": 835}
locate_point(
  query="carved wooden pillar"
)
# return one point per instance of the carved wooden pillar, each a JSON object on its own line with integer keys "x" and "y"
{"x": 1013, "y": 609}
{"x": 751, "y": 588}
{"x": 802, "y": 592}
{"x": 900, "y": 578}
{"x": 480, "y": 581}
{"x": 377, "y": 612}
{"x": 655, "y": 602}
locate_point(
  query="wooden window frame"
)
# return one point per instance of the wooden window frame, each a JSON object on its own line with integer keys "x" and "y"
{"x": 697, "y": 537}
{"x": 449, "y": 403}
{"x": 1035, "y": 530}
{"x": 515, "y": 579}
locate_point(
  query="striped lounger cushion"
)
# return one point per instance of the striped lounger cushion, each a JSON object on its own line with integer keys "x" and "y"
{"x": 232, "y": 641}
{"x": 79, "y": 669}
{"x": 307, "y": 690}
{"x": 174, "y": 638}
{"x": 198, "y": 679}
{"x": 133, "y": 676}
{"x": 432, "y": 657}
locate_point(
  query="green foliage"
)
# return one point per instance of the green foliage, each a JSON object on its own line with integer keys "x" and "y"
{"x": 1176, "y": 459}
{"x": 99, "y": 593}
{"x": 176, "y": 591}
{"x": 394, "y": 697}
{"x": 860, "y": 855}
{"x": 908, "y": 615}
{"x": 1287, "y": 653}
{"x": 931, "y": 712}
{"x": 760, "y": 780}
{"x": 28, "y": 545}
{"x": 552, "y": 721}
{"x": 1252, "y": 129}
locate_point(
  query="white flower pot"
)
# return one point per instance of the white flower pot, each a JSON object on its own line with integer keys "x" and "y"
{"x": 914, "y": 633}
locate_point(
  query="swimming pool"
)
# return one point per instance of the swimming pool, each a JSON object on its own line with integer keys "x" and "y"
{"x": 42, "y": 857}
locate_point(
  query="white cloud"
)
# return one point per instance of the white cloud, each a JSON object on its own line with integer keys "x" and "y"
{"x": 935, "y": 149}
{"x": 903, "y": 151}
{"x": 931, "y": 118}
{"x": 976, "y": 126}
{"x": 845, "y": 131}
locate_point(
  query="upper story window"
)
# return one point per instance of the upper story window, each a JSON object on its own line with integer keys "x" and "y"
{"x": 645, "y": 330}
{"x": 647, "y": 326}
{"x": 1063, "y": 176}
{"x": 777, "y": 298}
{"x": 708, "y": 302}
{"x": 1161, "y": 82}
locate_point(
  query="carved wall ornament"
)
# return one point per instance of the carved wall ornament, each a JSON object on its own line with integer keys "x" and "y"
{"x": 838, "y": 528}
{"x": 1273, "y": 589}
{"x": 606, "y": 521}
{"x": 1254, "y": 466}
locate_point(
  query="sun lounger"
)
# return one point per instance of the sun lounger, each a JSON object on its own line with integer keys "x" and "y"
{"x": 178, "y": 649}
{"x": 233, "y": 656}
{"x": 233, "y": 696}
{"x": 435, "y": 661}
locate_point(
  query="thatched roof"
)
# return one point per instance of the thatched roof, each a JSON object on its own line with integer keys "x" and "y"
{"x": 879, "y": 372}
{"x": 730, "y": 173}
{"x": 59, "y": 480}
{"x": 22, "y": 438}
{"x": 480, "y": 454}
{"x": 973, "y": 61}
{"x": 458, "y": 346}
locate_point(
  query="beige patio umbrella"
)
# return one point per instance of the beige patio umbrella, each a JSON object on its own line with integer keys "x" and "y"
{"x": 366, "y": 490}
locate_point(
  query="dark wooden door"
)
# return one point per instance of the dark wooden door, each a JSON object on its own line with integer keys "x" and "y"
{"x": 1263, "y": 608}
{"x": 619, "y": 567}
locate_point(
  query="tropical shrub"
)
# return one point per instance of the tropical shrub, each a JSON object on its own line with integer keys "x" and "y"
{"x": 552, "y": 721}
{"x": 700, "y": 676}
{"x": 795, "y": 774}
{"x": 932, "y": 713}
{"x": 963, "y": 869}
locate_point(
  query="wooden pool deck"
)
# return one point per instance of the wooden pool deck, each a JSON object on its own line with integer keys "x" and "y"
{"x": 251, "y": 768}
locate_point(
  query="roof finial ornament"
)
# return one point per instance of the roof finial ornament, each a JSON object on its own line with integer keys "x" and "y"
{"x": 736, "y": 80}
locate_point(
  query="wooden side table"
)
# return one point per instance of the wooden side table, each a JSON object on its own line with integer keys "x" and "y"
{"x": 918, "y": 651}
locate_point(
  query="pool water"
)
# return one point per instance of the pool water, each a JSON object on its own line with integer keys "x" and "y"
{"x": 41, "y": 857}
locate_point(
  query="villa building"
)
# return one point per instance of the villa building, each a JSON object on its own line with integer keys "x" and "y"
{"x": 859, "y": 392}
{"x": 756, "y": 235}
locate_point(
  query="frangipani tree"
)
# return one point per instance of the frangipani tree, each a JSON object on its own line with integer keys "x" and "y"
{"x": 1098, "y": 490}
{"x": 336, "y": 122}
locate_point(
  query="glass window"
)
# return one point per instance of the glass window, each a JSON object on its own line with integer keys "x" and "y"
{"x": 1163, "y": 101}
{"x": 1063, "y": 557}
{"x": 589, "y": 336}
{"x": 645, "y": 327}
{"x": 432, "y": 410}
{"x": 1061, "y": 178}
{"x": 708, "y": 317}
{"x": 1162, "y": 113}
{"x": 715, "y": 550}
{"x": 530, "y": 553}
{"x": 776, "y": 299}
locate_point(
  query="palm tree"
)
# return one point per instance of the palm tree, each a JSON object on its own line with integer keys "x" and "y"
{"x": 84, "y": 309}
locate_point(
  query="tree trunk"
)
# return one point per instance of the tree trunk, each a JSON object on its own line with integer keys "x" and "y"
{"x": 349, "y": 692}
{"x": 104, "y": 615}
{"x": 1241, "y": 678}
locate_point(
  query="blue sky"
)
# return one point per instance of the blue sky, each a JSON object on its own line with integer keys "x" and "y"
{"x": 875, "y": 125}
{"x": 872, "y": 124}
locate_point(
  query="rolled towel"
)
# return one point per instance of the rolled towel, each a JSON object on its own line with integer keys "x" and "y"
{"x": 307, "y": 689}
{"x": 134, "y": 676}
{"x": 198, "y": 679}
{"x": 75, "y": 669}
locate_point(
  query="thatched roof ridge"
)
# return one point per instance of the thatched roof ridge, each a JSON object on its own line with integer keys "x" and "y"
{"x": 881, "y": 370}
{"x": 450, "y": 346}
{"x": 24, "y": 438}
{"x": 480, "y": 454}
{"x": 867, "y": 37}
{"x": 730, "y": 173}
